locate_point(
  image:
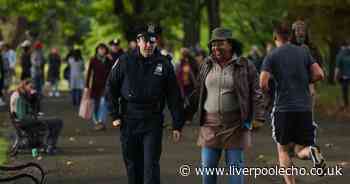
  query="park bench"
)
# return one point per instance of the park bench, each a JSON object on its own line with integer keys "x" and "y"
{"x": 13, "y": 173}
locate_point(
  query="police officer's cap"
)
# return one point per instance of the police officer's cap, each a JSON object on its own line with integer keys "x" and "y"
{"x": 149, "y": 33}
{"x": 114, "y": 42}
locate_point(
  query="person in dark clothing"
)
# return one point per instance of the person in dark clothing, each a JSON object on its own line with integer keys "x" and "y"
{"x": 54, "y": 71}
{"x": 293, "y": 127}
{"x": 25, "y": 60}
{"x": 342, "y": 73}
{"x": 139, "y": 86}
{"x": 186, "y": 74}
{"x": 38, "y": 62}
{"x": 256, "y": 57}
{"x": 116, "y": 50}
{"x": 98, "y": 71}
{"x": 24, "y": 107}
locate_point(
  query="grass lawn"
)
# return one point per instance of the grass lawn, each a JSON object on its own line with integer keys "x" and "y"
{"x": 3, "y": 150}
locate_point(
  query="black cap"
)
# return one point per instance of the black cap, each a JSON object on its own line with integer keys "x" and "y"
{"x": 149, "y": 33}
{"x": 114, "y": 42}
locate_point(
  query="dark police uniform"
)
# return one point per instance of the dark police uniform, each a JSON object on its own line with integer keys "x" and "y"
{"x": 115, "y": 55}
{"x": 138, "y": 89}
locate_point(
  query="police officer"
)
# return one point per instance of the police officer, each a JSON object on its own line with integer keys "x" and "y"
{"x": 116, "y": 50}
{"x": 139, "y": 85}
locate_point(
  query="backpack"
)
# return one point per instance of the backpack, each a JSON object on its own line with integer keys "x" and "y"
{"x": 66, "y": 72}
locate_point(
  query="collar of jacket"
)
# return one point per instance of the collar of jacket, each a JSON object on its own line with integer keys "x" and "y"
{"x": 236, "y": 60}
{"x": 156, "y": 54}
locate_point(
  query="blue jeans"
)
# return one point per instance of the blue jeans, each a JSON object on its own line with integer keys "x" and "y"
{"x": 211, "y": 158}
{"x": 76, "y": 96}
{"x": 100, "y": 110}
{"x": 38, "y": 83}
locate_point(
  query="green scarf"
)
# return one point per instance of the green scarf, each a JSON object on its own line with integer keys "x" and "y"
{"x": 103, "y": 59}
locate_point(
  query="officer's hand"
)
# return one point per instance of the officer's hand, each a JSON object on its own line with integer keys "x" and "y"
{"x": 176, "y": 136}
{"x": 116, "y": 123}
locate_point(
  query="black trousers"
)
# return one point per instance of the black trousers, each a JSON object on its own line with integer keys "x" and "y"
{"x": 54, "y": 126}
{"x": 345, "y": 91}
{"x": 1, "y": 87}
{"x": 141, "y": 153}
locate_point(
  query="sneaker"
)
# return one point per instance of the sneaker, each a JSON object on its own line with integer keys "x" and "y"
{"x": 317, "y": 158}
{"x": 100, "y": 127}
{"x": 50, "y": 94}
{"x": 57, "y": 94}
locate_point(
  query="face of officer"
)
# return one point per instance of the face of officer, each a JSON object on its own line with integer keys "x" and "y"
{"x": 221, "y": 50}
{"x": 147, "y": 46}
{"x": 115, "y": 48}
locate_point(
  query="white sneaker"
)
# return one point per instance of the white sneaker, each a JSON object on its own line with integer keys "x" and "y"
{"x": 50, "y": 94}
{"x": 317, "y": 159}
{"x": 57, "y": 94}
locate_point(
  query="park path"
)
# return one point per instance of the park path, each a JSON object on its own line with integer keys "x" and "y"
{"x": 95, "y": 157}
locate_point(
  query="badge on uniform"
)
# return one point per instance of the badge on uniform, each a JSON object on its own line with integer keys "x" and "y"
{"x": 158, "y": 70}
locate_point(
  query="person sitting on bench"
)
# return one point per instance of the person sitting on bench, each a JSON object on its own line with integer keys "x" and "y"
{"x": 24, "y": 107}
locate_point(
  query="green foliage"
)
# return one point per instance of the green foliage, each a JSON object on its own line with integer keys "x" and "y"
{"x": 3, "y": 150}
{"x": 100, "y": 33}
{"x": 87, "y": 22}
{"x": 252, "y": 21}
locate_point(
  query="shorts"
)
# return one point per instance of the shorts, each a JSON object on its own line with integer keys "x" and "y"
{"x": 294, "y": 127}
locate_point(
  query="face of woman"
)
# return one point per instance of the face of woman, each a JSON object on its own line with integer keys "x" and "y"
{"x": 29, "y": 87}
{"x": 221, "y": 50}
{"x": 102, "y": 51}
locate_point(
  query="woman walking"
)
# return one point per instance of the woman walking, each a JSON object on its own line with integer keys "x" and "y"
{"x": 76, "y": 77}
{"x": 99, "y": 68}
{"x": 226, "y": 98}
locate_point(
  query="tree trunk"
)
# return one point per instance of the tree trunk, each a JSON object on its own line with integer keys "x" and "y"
{"x": 21, "y": 27}
{"x": 213, "y": 8}
{"x": 191, "y": 23}
{"x": 130, "y": 22}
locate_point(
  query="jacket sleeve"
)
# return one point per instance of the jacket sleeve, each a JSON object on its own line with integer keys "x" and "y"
{"x": 113, "y": 89}
{"x": 258, "y": 105}
{"x": 174, "y": 99}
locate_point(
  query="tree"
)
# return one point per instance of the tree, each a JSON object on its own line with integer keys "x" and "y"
{"x": 252, "y": 21}
{"x": 52, "y": 21}
{"x": 191, "y": 17}
{"x": 213, "y": 8}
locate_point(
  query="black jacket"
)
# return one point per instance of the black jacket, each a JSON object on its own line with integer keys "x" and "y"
{"x": 139, "y": 87}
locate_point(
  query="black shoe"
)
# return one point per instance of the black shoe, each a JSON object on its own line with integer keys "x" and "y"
{"x": 317, "y": 159}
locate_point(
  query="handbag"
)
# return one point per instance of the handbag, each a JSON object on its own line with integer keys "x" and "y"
{"x": 86, "y": 105}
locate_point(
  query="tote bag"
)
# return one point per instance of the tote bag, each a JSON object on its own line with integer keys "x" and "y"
{"x": 86, "y": 105}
